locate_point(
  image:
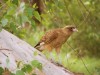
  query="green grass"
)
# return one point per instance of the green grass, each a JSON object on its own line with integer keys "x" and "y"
{"x": 76, "y": 65}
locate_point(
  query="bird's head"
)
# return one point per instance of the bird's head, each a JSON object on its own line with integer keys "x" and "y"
{"x": 70, "y": 29}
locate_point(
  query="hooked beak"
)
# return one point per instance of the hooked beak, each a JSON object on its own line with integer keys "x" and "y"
{"x": 75, "y": 30}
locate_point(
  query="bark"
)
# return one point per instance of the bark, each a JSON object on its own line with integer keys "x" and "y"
{"x": 15, "y": 49}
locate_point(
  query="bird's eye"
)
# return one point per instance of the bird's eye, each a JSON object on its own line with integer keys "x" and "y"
{"x": 71, "y": 28}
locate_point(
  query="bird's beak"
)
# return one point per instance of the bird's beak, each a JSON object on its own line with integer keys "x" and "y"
{"x": 75, "y": 30}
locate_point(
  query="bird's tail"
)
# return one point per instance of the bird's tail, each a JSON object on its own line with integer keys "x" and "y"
{"x": 38, "y": 46}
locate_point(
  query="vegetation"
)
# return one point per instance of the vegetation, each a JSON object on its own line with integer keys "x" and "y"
{"x": 23, "y": 20}
{"x": 26, "y": 69}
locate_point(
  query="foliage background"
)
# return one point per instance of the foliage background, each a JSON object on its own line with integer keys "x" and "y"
{"x": 26, "y": 22}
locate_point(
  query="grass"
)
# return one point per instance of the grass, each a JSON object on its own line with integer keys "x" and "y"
{"x": 75, "y": 64}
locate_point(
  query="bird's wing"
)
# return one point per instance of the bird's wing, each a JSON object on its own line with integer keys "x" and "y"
{"x": 48, "y": 37}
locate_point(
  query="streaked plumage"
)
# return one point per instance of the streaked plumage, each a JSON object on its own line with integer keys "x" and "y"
{"x": 55, "y": 38}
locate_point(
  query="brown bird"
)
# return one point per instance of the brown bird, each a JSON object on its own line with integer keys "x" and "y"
{"x": 55, "y": 38}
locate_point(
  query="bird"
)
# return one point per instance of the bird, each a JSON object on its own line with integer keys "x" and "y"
{"x": 55, "y": 38}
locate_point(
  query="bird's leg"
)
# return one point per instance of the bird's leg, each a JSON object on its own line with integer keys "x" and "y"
{"x": 56, "y": 61}
{"x": 58, "y": 50}
{"x": 59, "y": 55}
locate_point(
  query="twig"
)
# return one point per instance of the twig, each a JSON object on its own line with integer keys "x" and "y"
{"x": 80, "y": 58}
{"x": 84, "y": 6}
{"x": 84, "y": 17}
{"x": 87, "y": 11}
{"x": 70, "y": 14}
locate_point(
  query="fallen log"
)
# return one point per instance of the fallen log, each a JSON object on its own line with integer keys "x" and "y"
{"x": 18, "y": 50}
